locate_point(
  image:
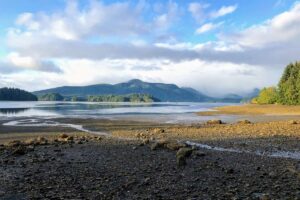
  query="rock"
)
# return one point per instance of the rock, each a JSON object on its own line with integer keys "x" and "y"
{"x": 174, "y": 145}
{"x": 181, "y": 161}
{"x": 30, "y": 142}
{"x": 20, "y": 150}
{"x": 70, "y": 138}
{"x": 99, "y": 138}
{"x": 293, "y": 122}
{"x": 156, "y": 145}
{"x": 41, "y": 141}
{"x": 63, "y": 136}
{"x": 229, "y": 171}
{"x": 214, "y": 121}
{"x": 245, "y": 121}
{"x": 184, "y": 152}
{"x": 14, "y": 143}
{"x": 261, "y": 196}
{"x": 158, "y": 130}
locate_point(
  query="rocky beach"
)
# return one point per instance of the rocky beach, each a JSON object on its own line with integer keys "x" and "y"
{"x": 136, "y": 160}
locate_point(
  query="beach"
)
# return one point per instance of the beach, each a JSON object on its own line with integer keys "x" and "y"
{"x": 123, "y": 159}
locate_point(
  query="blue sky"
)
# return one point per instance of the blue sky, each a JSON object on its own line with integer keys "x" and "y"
{"x": 48, "y": 43}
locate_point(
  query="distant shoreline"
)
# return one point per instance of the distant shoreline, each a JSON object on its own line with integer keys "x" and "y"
{"x": 253, "y": 109}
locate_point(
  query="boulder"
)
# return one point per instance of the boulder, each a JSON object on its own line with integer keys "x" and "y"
{"x": 182, "y": 154}
{"x": 214, "y": 121}
{"x": 20, "y": 150}
{"x": 245, "y": 121}
{"x": 174, "y": 145}
{"x": 63, "y": 136}
{"x": 293, "y": 122}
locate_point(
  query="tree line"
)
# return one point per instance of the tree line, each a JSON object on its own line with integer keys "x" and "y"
{"x": 287, "y": 91}
{"x": 14, "y": 94}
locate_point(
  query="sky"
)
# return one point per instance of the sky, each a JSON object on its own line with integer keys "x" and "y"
{"x": 217, "y": 47}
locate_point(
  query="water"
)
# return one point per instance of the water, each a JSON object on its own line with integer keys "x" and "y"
{"x": 162, "y": 112}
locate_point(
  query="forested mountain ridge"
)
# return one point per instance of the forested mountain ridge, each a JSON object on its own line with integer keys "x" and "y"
{"x": 161, "y": 91}
{"x": 14, "y": 94}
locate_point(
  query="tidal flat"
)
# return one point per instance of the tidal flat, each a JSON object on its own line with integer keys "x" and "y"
{"x": 150, "y": 160}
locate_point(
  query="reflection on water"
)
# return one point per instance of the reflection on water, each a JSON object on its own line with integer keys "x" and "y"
{"x": 12, "y": 111}
{"x": 167, "y": 112}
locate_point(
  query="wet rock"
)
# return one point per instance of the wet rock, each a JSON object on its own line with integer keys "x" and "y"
{"x": 181, "y": 161}
{"x": 214, "y": 121}
{"x": 182, "y": 154}
{"x": 20, "y": 150}
{"x": 229, "y": 171}
{"x": 261, "y": 196}
{"x": 245, "y": 121}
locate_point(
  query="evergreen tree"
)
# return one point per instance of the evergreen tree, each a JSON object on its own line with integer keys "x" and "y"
{"x": 14, "y": 94}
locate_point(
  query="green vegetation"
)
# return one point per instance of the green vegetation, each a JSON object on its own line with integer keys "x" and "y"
{"x": 289, "y": 85}
{"x": 266, "y": 96}
{"x": 123, "y": 98}
{"x": 164, "y": 92}
{"x": 14, "y": 94}
{"x": 288, "y": 90}
{"x": 51, "y": 97}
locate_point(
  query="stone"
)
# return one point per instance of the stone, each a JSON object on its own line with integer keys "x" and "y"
{"x": 214, "y": 121}
{"x": 293, "y": 122}
{"x": 20, "y": 150}
{"x": 14, "y": 143}
{"x": 184, "y": 152}
{"x": 245, "y": 121}
{"x": 181, "y": 161}
{"x": 155, "y": 146}
{"x": 174, "y": 145}
{"x": 63, "y": 136}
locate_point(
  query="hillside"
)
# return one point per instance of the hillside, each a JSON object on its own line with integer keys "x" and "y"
{"x": 14, "y": 94}
{"x": 161, "y": 91}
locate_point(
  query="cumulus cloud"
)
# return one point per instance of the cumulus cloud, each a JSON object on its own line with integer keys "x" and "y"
{"x": 224, "y": 10}
{"x": 208, "y": 27}
{"x": 97, "y": 19}
{"x": 27, "y": 62}
{"x": 201, "y": 13}
{"x": 75, "y": 40}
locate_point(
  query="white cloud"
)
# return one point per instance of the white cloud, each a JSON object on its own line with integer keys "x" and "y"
{"x": 254, "y": 56}
{"x": 208, "y": 27}
{"x": 26, "y": 62}
{"x": 280, "y": 30}
{"x": 97, "y": 19}
{"x": 224, "y": 10}
{"x": 198, "y": 11}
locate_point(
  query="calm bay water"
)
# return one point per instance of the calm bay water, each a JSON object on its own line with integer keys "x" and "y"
{"x": 165, "y": 112}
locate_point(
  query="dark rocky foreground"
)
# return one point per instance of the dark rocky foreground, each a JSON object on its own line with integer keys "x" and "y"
{"x": 95, "y": 168}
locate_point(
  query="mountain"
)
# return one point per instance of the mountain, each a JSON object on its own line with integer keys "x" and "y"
{"x": 161, "y": 91}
